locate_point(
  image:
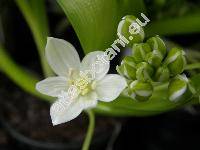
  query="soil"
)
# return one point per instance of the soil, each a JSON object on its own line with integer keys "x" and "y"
{"x": 30, "y": 116}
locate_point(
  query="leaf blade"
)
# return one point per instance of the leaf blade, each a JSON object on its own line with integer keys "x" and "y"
{"x": 95, "y": 21}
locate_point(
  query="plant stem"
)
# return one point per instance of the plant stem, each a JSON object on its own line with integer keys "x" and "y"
{"x": 90, "y": 130}
{"x": 39, "y": 29}
{"x": 192, "y": 66}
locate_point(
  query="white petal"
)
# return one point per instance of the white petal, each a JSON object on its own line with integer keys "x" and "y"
{"x": 110, "y": 87}
{"x": 61, "y": 56}
{"x": 89, "y": 100}
{"x": 61, "y": 111}
{"x": 99, "y": 66}
{"x": 52, "y": 86}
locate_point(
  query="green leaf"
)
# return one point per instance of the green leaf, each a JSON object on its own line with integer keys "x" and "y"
{"x": 24, "y": 79}
{"x": 35, "y": 15}
{"x": 196, "y": 83}
{"x": 176, "y": 25}
{"x": 34, "y": 12}
{"x": 157, "y": 104}
{"x": 95, "y": 21}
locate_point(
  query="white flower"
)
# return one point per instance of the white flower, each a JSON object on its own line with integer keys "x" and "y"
{"x": 65, "y": 62}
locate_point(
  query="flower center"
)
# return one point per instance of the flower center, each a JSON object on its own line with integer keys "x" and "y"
{"x": 82, "y": 82}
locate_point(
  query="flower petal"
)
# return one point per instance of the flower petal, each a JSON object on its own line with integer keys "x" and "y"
{"x": 61, "y": 56}
{"x": 61, "y": 111}
{"x": 110, "y": 87}
{"x": 89, "y": 100}
{"x": 52, "y": 86}
{"x": 96, "y": 63}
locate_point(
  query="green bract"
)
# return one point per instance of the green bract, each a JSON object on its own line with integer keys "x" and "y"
{"x": 131, "y": 30}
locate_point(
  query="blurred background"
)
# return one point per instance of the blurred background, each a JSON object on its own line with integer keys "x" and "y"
{"x": 25, "y": 122}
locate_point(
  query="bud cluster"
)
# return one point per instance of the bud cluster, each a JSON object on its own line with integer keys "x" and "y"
{"x": 151, "y": 62}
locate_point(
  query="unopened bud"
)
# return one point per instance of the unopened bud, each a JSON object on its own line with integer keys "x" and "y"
{"x": 140, "y": 91}
{"x": 162, "y": 74}
{"x": 175, "y": 61}
{"x": 156, "y": 43}
{"x": 127, "y": 68}
{"x": 179, "y": 88}
{"x": 144, "y": 72}
{"x": 131, "y": 30}
{"x": 154, "y": 58}
{"x": 139, "y": 51}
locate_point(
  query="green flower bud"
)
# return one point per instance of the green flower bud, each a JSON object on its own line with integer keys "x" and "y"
{"x": 156, "y": 43}
{"x": 162, "y": 74}
{"x": 139, "y": 51}
{"x": 127, "y": 68}
{"x": 154, "y": 58}
{"x": 144, "y": 72}
{"x": 131, "y": 30}
{"x": 140, "y": 91}
{"x": 176, "y": 61}
{"x": 179, "y": 88}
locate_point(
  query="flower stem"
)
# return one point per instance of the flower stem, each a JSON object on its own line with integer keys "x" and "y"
{"x": 192, "y": 66}
{"x": 90, "y": 130}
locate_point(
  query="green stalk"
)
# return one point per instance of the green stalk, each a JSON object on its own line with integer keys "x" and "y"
{"x": 192, "y": 66}
{"x": 90, "y": 130}
{"x": 193, "y": 54}
{"x": 39, "y": 30}
{"x": 19, "y": 75}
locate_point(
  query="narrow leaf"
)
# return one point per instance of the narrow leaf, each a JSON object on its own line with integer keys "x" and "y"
{"x": 173, "y": 26}
{"x": 95, "y": 21}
